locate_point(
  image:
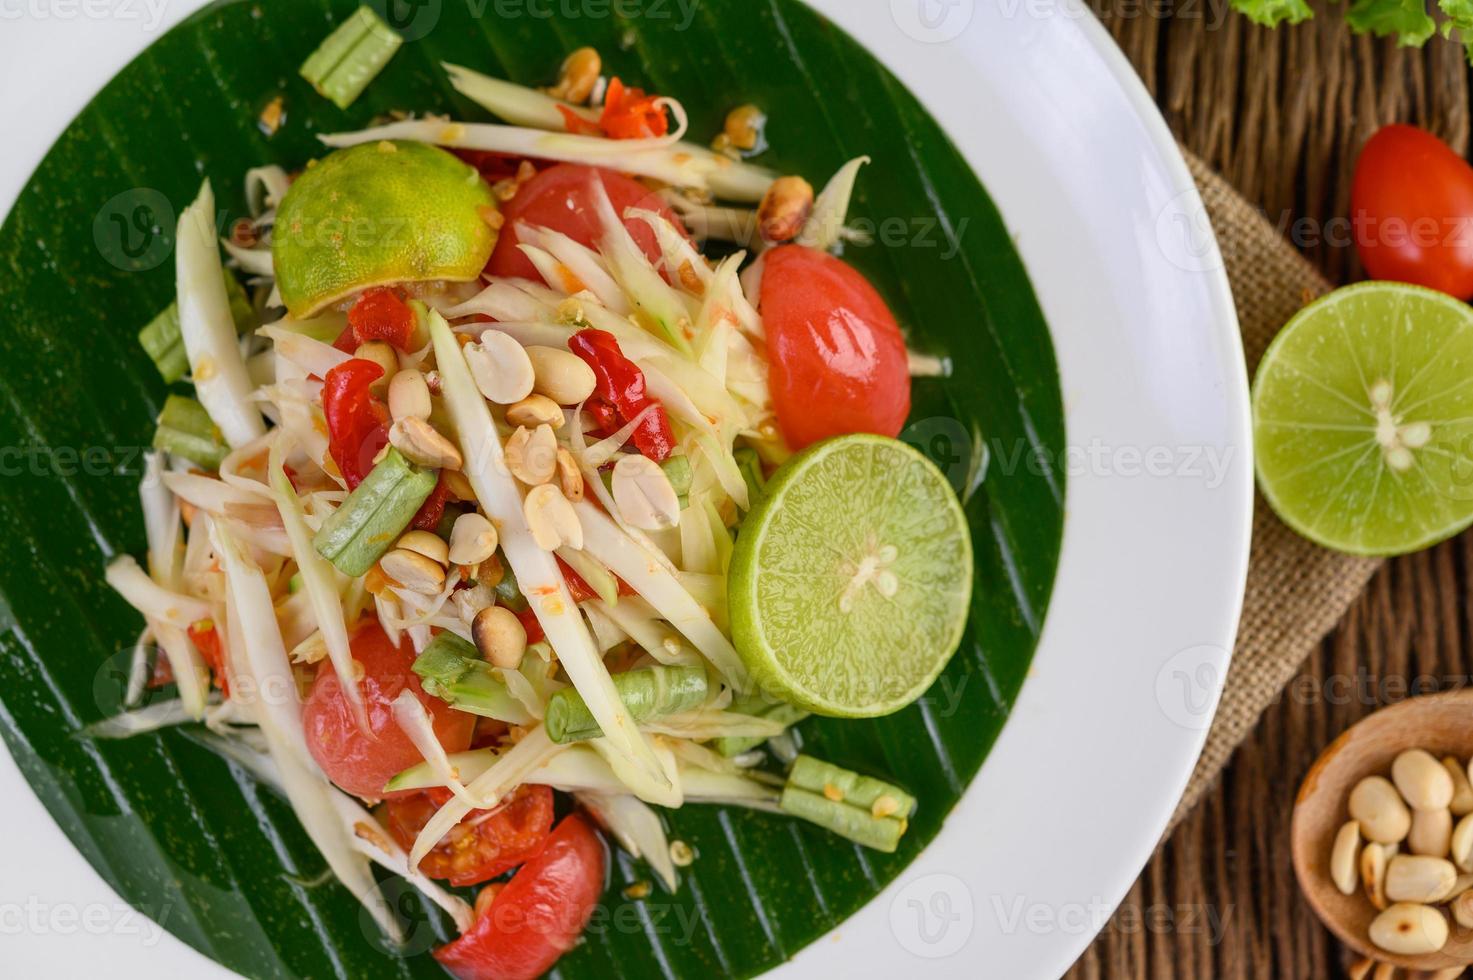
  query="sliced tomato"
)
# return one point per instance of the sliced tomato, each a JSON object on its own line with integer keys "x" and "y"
{"x": 382, "y": 314}
{"x": 538, "y": 915}
{"x": 558, "y": 198}
{"x": 485, "y": 844}
{"x": 838, "y": 360}
{"x": 360, "y": 762}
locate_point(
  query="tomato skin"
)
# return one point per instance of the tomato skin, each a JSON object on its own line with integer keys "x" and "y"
{"x": 361, "y": 764}
{"x": 1411, "y": 204}
{"x": 485, "y": 844}
{"x": 538, "y": 915}
{"x": 558, "y": 198}
{"x": 838, "y": 360}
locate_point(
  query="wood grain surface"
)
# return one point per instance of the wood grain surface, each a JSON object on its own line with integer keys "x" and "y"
{"x": 1281, "y": 115}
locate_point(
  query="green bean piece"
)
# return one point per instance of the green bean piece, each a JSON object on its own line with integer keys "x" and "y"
{"x": 759, "y": 705}
{"x": 368, "y": 523}
{"x": 647, "y": 693}
{"x": 451, "y": 669}
{"x": 164, "y": 343}
{"x": 186, "y": 429}
{"x": 818, "y": 776}
{"x": 881, "y": 834}
{"x": 867, "y": 811}
{"x": 351, "y": 56}
{"x": 750, "y": 464}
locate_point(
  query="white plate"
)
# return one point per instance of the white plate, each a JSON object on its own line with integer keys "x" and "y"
{"x": 1080, "y": 785}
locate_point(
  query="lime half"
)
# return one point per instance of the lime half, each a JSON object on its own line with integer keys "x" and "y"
{"x": 1363, "y": 419}
{"x": 851, "y": 578}
{"x": 376, "y": 215}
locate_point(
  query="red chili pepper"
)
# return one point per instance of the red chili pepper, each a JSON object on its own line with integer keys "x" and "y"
{"x": 575, "y": 123}
{"x": 492, "y": 166}
{"x": 381, "y": 314}
{"x": 630, "y": 113}
{"x": 206, "y": 640}
{"x": 432, "y": 511}
{"x": 528, "y": 619}
{"x": 621, "y": 384}
{"x": 579, "y": 588}
{"x": 357, "y": 422}
{"x": 347, "y": 341}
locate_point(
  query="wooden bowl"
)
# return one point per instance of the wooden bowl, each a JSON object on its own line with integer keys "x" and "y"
{"x": 1440, "y": 723}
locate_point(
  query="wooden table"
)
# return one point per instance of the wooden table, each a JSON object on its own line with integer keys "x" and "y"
{"x": 1281, "y": 115}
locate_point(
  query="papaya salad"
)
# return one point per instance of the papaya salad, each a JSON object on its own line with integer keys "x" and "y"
{"x": 500, "y": 516}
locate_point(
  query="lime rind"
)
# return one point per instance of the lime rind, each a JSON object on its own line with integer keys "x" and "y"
{"x": 380, "y": 214}
{"x": 1363, "y": 419}
{"x": 809, "y": 609}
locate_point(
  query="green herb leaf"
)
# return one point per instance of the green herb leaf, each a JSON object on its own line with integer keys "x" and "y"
{"x": 1272, "y": 13}
{"x": 1406, "y": 20}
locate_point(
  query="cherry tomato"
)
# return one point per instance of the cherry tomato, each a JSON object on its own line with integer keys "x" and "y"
{"x": 538, "y": 915}
{"x": 382, "y": 314}
{"x": 557, "y": 198}
{"x": 485, "y": 844}
{"x": 362, "y": 763}
{"x": 1411, "y": 205}
{"x": 838, "y": 359}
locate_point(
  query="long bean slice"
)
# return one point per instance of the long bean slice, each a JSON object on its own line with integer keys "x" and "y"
{"x": 762, "y": 706}
{"x": 650, "y": 692}
{"x": 865, "y": 810}
{"x": 164, "y": 343}
{"x": 185, "y": 429}
{"x": 451, "y": 670}
{"x": 343, "y": 65}
{"x": 368, "y": 523}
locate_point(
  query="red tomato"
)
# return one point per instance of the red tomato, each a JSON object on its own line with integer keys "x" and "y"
{"x": 1411, "y": 205}
{"x": 557, "y": 198}
{"x": 485, "y": 844}
{"x": 362, "y": 763}
{"x": 538, "y": 915}
{"x": 838, "y": 361}
{"x": 381, "y": 314}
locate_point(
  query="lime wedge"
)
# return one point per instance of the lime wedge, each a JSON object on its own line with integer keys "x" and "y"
{"x": 377, "y": 215}
{"x": 1363, "y": 419}
{"x": 851, "y": 578}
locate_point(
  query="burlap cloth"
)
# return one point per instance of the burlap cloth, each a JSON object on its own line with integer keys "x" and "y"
{"x": 1296, "y": 591}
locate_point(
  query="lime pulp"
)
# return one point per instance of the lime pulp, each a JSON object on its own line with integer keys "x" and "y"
{"x": 851, "y": 578}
